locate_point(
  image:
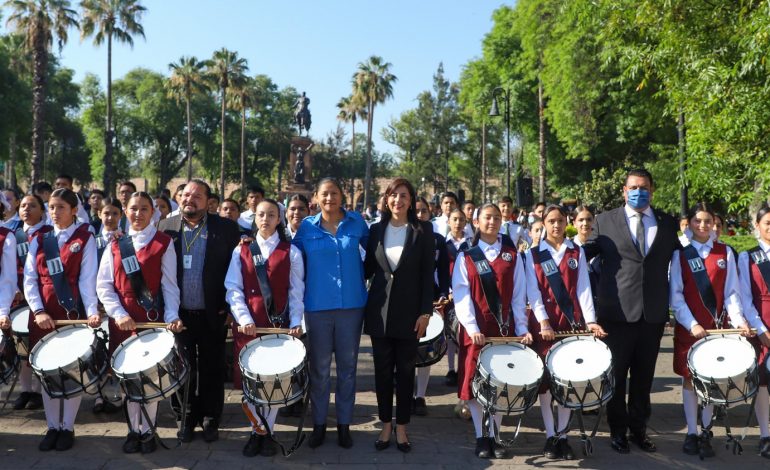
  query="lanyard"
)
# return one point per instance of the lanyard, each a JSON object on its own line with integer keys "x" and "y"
{"x": 197, "y": 233}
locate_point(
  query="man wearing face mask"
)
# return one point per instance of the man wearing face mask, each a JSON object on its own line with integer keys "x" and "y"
{"x": 635, "y": 244}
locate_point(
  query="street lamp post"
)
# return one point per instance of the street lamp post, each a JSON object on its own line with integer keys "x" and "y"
{"x": 494, "y": 112}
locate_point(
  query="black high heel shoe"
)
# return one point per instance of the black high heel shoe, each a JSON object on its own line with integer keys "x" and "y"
{"x": 382, "y": 445}
{"x": 404, "y": 447}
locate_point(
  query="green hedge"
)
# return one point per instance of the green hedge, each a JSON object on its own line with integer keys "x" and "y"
{"x": 740, "y": 242}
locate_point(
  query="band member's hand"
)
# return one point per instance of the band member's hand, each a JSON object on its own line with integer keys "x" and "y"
{"x": 175, "y": 326}
{"x": 126, "y": 323}
{"x": 478, "y": 339}
{"x": 421, "y": 325}
{"x": 546, "y": 331}
{"x": 527, "y": 338}
{"x": 44, "y": 321}
{"x": 95, "y": 321}
{"x": 246, "y": 240}
{"x": 249, "y": 330}
{"x": 698, "y": 332}
{"x": 764, "y": 338}
{"x": 296, "y": 331}
{"x": 597, "y": 330}
{"x": 746, "y": 331}
{"x": 5, "y": 322}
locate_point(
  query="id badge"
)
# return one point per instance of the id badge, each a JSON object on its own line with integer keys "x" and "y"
{"x": 187, "y": 261}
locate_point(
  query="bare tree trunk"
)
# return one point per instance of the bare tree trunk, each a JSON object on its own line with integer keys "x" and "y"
{"x": 107, "y": 178}
{"x": 222, "y": 160}
{"x": 12, "y": 149}
{"x": 352, "y": 162}
{"x": 368, "y": 177}
{"x": 280, "y": 168}
{"x": 483, "y": 162}
{"x": 189, "y": 140}
{"x": 40, "y": 58}
{"x": 243, "y": 150}
{"x": 541, "y": 135}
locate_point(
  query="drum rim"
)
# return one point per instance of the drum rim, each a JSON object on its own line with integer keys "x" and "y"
{"x": 486, "y": 375}
{"x": 11, "y": 316}
{"x": 256, "y": 376}
{"x": 47, "y": 338}
{"x": 441, "y": 332}
{"x": 581, "y": 382}
{"x": 720, "y": 336}
{"x": 124, "y": 344}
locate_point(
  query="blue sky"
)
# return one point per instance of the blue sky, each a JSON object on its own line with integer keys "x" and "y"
{"x": 314, "y": 46}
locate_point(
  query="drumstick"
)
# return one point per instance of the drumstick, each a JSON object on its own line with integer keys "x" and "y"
{"x": 267, "y": 331}
{"x": 729, "y": 331}
{"x": 441, "y": 303}
{"x": 518, "y": 339}
{"x": 70, "y": 322}
{"x": 152, "y": 324}
{"x": 138, "y": 326}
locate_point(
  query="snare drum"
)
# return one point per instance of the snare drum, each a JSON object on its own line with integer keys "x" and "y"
{"x": 20, "y": 327}
{"x": 9, "y": 359}
{"x": 724, "y": 369}
{"x": 70, "y": 361}
{"x": 149, "y": 366}
{"x": 432, "y": 346}
{"x": 274, "y": 370}
{"x": 581, "y": 372}
{"x": 507, "y": 377}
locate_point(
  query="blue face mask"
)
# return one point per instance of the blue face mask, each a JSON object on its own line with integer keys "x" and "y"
{"x": 531, "y": 220}
{"x": 638, "y": 198}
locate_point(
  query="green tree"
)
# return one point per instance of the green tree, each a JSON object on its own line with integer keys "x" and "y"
{"x": 15, "y": 99}
{"x": 350, "y": 109}
{"x": 185, "y": 81}
{"x": 243, "y": 96}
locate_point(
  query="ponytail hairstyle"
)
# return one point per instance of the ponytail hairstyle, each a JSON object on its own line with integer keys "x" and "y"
{"x": 763, "y": 211}
{"x": 146, "y": 196}
{"x": 590, "y": 209}
{"x": 487, "y": 205}
{"x": 68, "y": 196}
{"x": 329, "y": 179}
{"x": 554, "y": 207}
{"x": 281, "y": 228}
{"x": 700, "y": 207}
{"x": 111, "y": 201}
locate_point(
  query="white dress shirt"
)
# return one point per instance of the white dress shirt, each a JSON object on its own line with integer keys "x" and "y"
{"x": 395, "y": 237}
{"x": 441, "y": 225}
{"x": 584, "y": 296}
{"x": 650, "y": 225}
{"x": 732, "y": 299}
{"x": 747, "y": 297}
{"x": 86, "y": 281}
{"x": 105, "y": 279}
{"x": 515, "y": 231}
{"x": 458, "y": 242}
{"x": 8, "y": 275}
{"x": 234, "y": 282}
{"x": 464, "y": 309}
{"x": 246, "y": 219}
{"x": 12, "y": 222}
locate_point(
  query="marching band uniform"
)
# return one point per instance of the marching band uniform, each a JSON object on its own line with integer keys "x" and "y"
{"x": 157, "y": 261}
{"x": 8, "y": 271}
{"x": 755, "y": 298}
{"x": 286, "y": 273}
{"x": 571, "y": 262}
{"x": 689, "y": 311}
{"x": 475, "y": 315}
{"x": 78, "y": 257}
{"x": 515, "y": 232}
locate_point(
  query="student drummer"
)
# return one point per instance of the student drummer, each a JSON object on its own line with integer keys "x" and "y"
{"x": 155, "y": 254}
{"x": 285, "y": 273}
{"x": 8, "y": 271}
{"x": 77, "y": 252}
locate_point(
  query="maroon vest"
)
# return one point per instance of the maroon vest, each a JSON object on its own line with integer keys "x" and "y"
{"x": 569, "y": 276}
{"x": 503, "y": 270}
{"x": 278, "y": 271}
{"x": 3, "y": 234}
{"x": 716, "y": 267}
{"x": 150, "y": 259}
{"x": 20, "y": 264}
{"x": 760, "y": 293}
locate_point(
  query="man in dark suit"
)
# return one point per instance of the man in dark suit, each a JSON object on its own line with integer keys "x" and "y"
{"x": 635, "y": 244}
{"x": 204, "y": 244}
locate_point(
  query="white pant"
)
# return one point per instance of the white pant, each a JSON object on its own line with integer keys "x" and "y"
{"x": 53, "y": 407}
{"x": 138, "y": 421}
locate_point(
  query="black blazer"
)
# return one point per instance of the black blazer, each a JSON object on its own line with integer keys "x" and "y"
{"x": 632, "y": 287}
{"x": 223, "y": 237}
{"x": 396, "y": 298}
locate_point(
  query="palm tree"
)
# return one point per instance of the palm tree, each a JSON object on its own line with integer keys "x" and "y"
{"x": 243, "y": 95}
{"x": 39, "y": 21}
{"x": 186, "y": 79}
{"x": 20, "y": 63}
{"x": 373, "y": 83}
{"x": 224, "y": 67}
{"x": 108, "y": 19}
{"x": 351, "y": 108}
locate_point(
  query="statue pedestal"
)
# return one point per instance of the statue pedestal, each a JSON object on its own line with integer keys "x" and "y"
{"x": 292, "y": 187}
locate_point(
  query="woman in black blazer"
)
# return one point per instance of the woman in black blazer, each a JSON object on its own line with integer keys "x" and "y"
{"x": 399, "y": 259}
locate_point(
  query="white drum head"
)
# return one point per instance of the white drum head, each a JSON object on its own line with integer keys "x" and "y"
{"x": 579, "y": 359}
{"x": 435, "y": 328}
{"x": 141, "y": 352}
{"x": 721, "y": 357}
{"x": 63, "y": 347}
{"x": 512, "y": 364}
{"x": 271, "y": 355}
{"x": 20, "y": 320}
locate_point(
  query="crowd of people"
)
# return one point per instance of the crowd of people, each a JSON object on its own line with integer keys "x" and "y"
{"x": 326, "y": 273}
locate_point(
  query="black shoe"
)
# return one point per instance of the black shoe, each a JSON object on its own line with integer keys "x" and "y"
{"x": 286, "y": 411}
{"x": 21, "y": 401}
{"x": 420, "y": 407}
{"x": 318, "y": 436}
{"x": 382, "y": 445}
{"x": 500, "y": 451}
{"x": 298, "y": 408}
{"x": 764, "y": 447}
{"x": 35, "y": 401}
{"x": 269, "y": 448}
{"x": 644, "y": 442}
{"x": 187, "y": 433}
{"x": 550, "y": 449}
{"x": 98, "y": 406}
{"x": 110, "y": 407}
{"x": 149, "y": 445}
{"x": 704, "y": 441}
{"x": 620, "y": 444}
{"x": 66, "y": 440}
{"x": 691, "y": 445}
{"x": 210, "y": 430}
{"x": 49, "y": 441}
{"x": 404, "y": 447}
{"x": 132, "y": 444}
{"x": 254, "y": 446}
{"x": 344, "y": 439}
{"x": 451, "y": 379}
{"x": 564, "y": 449}
{"x": 483, "y": 449}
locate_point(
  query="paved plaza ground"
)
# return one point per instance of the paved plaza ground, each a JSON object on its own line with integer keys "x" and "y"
{"x": 440, "y": 440}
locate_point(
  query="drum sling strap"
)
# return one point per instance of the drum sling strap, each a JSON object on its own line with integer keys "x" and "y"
{"x": 489, "y": 286}
{"x": 182, "y": 396}
{"x": 101, "y": 244}
{"x": 763, "y": 264}
{"x": 22, "y": 245}
{"x": 555, "y": 281}
{"x": 703, "y": 283}
{"x": 56, "y": 271}
{"x": 299, "y": 436}
{"x": 260, "y": 266}
{"x": 134, "y": 272}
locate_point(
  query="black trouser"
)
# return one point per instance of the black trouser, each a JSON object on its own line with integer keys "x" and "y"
{"x": 394, "y": 358}
{"x": 634, "y": 348}
{"x": 203, "y": 344}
